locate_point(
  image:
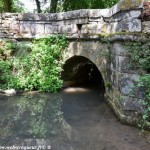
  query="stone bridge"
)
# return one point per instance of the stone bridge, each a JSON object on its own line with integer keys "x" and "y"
{"x": 97, "y": 37}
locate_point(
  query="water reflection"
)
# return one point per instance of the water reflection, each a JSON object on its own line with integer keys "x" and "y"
{"x": 75, "y": 119}
{"x": 76, "y": 90}
{"x": 34, "y": 115}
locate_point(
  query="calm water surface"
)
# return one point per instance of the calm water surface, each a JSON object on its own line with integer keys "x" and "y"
{"x": 75, "y": 119}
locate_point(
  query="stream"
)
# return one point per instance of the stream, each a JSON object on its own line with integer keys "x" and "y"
{"x": 77, "y": 118}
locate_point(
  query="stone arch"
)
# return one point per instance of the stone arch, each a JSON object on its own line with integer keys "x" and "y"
{"x": 81, "y": 70}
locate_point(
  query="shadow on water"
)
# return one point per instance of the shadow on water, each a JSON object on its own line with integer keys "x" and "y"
{"x": 81, "y": 105}
{"x": 94, "y": 125}
{"x": 30, "y": 116}
{"x": 75, "y": 119}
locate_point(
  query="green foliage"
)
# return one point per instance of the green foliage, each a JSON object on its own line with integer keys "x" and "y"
{"x": 17, "y": 6}
{"x": 42, "y": 112}
{"x": 5, "y": 74}
{"x": 108, "y": 85}
{"x": 11, "y": 6}
{"x": 139, "y": 53}
{"x": 41, "y": 68}
{"x": 7, "y": 48}
{"x": 145, "y": 82}
{"x": 105, "y": 53}
{"x": 67, "y": 5}
{"x": 31, "y": 115}
{"x": 85, "y": 4}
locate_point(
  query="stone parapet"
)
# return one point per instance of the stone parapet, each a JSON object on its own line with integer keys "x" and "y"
{"x": 123, "y": 17}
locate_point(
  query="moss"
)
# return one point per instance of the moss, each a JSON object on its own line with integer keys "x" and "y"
{"x": 108, "y": 85}
{"x": 106, "y": 35}
{"x": 104, "y": 28}
{"x": 127, "y": 4}
{"x": 119, "y": 33}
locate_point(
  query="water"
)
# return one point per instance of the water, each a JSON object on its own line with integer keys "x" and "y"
{"x": 75, "y": 119}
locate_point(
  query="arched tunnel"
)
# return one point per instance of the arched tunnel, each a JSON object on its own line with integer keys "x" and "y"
{"x": 79, "y": 70}
{"x": 83, "y": 92}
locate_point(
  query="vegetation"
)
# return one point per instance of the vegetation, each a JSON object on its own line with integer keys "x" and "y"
{"x": 53, "y": 6}
{"x": 145, "y": 81}
{"x": 43, "y": 113}
{"x": 139, "y": 53}
{"x": 11, "y": 6}
{"x": 67, "y": 5}
{"x": 31, "y": 116}
{"x": 39, "y": 70}
{"x": 84, "y": 4}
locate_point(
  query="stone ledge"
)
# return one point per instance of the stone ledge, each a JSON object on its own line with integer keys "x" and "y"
{"x": 78, "y": 14}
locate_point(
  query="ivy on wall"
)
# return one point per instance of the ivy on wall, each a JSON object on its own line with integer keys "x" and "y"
{"x": 39, "y": 70}
{"x": 139, "y": 53}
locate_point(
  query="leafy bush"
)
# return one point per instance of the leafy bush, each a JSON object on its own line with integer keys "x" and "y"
{"x": 41, "y": 69}
{"x": 7, "y": 47}
{"x": 5, "y": 74}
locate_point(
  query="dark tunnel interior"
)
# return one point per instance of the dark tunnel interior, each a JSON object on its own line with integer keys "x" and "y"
{"x": 79, "y": 70}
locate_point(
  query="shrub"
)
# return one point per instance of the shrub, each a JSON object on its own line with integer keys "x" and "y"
{"x": 40, "y": 70}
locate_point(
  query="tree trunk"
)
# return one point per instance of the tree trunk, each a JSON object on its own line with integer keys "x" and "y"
{"x": 7, "y": 5}
{"x": 53, "y": 6}
{"x": 38, "y": 5}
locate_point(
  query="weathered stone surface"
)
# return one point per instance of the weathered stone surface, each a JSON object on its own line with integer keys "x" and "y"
{"x": 130, "y": 4}
{"x": 9, "y": 92}
{"x": 123, "y": 15}
{"x": 115, "y": 96}
{"x": 93, "y": 22}
{"x": 126, "y": 26}
{"x": 146, "y": 26}
{"x": 48, "y": 29}
{"x": 114, "y": 76}
{"x": 122, "y": 5}
{"x": 72, "y": 28}
{"x": 130, "y": 104}
{"x": 123, "y": 64}
{"x": 70, "y": 21}
{"x": 128, "y": 85}
{"x": 32, "y": 16}
{"x": 133, "y": 25}
{"x": 118, "y": 49}
{"x": 119, "y": 63}
{"x": 96, "y": 13}
{"x": 92, "y": 28}
{"x": 105, "y": 28}
{"x": 11, "y": 16}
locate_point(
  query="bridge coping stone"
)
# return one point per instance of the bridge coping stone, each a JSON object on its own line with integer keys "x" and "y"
{"x": 122, "y": 17}
{"x": 92, "y": 13}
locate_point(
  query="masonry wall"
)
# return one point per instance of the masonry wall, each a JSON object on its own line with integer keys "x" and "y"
{"x": 89, "y": 32}
{"x": 123, "y": 17}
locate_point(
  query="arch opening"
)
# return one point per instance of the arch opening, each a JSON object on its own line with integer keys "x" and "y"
{"x": 80, "y": 71}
